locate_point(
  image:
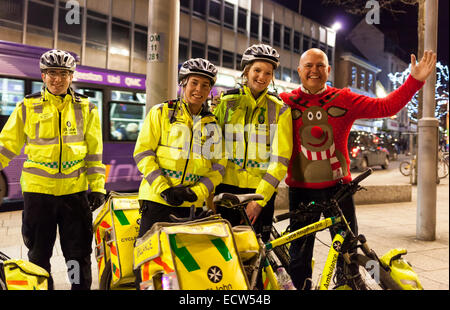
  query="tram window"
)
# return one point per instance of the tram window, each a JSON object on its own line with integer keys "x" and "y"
{"x": 127, "y": 96}
{"x": 126, "y": 120}
{"x": 36, "y": 86}
{"x": 12, "y": 91}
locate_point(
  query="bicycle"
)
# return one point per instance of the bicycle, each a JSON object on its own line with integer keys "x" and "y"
{"x": 367, "y": 263}
{"x": 442, "y": 164}
{"x": 407, "y": 166}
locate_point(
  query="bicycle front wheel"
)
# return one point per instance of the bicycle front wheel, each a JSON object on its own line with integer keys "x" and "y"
{"x": 442, "y": 169}
{"x": 405, "y": 168}
{"x": 371, "y": 275}
{"x": 281, "y": 252}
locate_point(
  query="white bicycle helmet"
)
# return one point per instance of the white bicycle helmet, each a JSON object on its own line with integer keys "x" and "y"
{"x": 198, "y": 66}
{"x": 260, "y": 52}
{"x": 57, "y": 59}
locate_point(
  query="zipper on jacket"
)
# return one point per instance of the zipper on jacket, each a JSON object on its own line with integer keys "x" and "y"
{"x": 60, "y": 142}
{"x": 189, "y": 153}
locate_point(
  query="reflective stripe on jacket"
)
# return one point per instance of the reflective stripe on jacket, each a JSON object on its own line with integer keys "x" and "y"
{"x": 64, "y": 148}
{"x": 175, "y": 148}
{"x": 258, "y": 140}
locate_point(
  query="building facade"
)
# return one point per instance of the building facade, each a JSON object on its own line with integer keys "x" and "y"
{"x": 112, "y": 34}
{"x": 388, "y": 57}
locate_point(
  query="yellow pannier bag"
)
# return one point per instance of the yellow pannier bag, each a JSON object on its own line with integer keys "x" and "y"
{"x": 24, "y": 275}
{"x": 197, "y": 255}
{"x": 401, "y": 271}
{"x": 246, "y": 242}
{"x": 115, "y": 230}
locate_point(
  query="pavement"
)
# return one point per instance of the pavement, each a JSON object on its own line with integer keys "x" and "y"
{"x": 385, "y": 225}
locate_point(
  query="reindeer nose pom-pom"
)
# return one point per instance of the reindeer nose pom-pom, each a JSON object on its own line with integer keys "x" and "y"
{"x": 316, "y": 132}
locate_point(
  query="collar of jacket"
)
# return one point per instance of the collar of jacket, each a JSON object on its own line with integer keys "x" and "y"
{"x": 248, "y": 92}
{"x": 58, "y": 101}
{"x": 203, "y": 112}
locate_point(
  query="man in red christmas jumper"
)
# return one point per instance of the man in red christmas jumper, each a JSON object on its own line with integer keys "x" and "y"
{"x": 322, "y": 119}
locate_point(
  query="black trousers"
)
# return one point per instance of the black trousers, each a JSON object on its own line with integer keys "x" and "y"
{"x": 41, "y": 217}
{"x": 301, "y": 250}
{"x": 264, "y": 221}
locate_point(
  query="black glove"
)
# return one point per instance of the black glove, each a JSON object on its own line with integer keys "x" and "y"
{"x": 175, "y": 196}
{"x": 96, "y": 199}
{"x": 187, "y": 194}
{"x": 171, "y": 196}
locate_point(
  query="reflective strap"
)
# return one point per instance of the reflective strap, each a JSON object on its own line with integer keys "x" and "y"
{"x": 197, "y": 149}
{"x": 207, "y": 182}
{"x": 91, "y": 106}
{"x": 140, "y": 156}
{"x": 43, "y": 173}
{"x": 93, "y": 157}
{"x": 255, "y": 138}
{"x": 218, "y": 167}
{"x": 271, "y": 110}
{"x": 271, "y": 180}
{"x": 93, "y": 170}
{"x": 79, "y": 137}
{"x": 153, "y": 175}
{"x": 7, "y": 153}
{"x": 24, "y": 113}
{"x": 283, "y": 109}
{"x": 235, "y": 136}
{"x": 43, "y": 141}
{"x": 279, "y": 159}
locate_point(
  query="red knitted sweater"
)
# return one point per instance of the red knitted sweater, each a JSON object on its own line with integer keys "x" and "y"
{"x": 322, "y": 124}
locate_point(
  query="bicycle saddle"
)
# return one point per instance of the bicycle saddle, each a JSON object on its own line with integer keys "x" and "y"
{"x": 236, "y": 199}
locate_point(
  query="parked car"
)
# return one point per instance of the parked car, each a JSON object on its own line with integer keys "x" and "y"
{"x": 391, "y": 144}
{"x": 365, "y": 151}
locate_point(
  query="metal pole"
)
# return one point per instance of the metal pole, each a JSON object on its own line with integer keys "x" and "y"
{"x": 428, "y": 126}
{"x": 162, "y": 51}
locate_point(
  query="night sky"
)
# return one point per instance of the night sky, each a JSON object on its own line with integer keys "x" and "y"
{"x": 400, "y": 28}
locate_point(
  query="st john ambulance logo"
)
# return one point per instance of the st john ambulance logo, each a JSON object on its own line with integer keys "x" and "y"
{"x": 337, "y": 246}
{"x": 215, "y": 274}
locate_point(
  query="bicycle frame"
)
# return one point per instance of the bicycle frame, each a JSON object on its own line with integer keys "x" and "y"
{"x": 333, "y": 253}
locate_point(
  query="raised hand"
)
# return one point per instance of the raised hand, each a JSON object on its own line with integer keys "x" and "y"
{"x": 423, "y": 69}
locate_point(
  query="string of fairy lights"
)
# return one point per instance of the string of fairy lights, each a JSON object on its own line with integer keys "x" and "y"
{"x": 441, "y": 92}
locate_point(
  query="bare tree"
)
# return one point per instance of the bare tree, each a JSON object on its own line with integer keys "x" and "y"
{"x": 357, "y": 7}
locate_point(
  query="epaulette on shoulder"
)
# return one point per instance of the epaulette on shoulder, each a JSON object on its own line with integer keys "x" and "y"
{"x": 80, "y": 95}
{"x": 34, "y": 95}
{"x": 274, "y": 94}
{"x": 233, "y": 91}
{"x": 171, "y": 103}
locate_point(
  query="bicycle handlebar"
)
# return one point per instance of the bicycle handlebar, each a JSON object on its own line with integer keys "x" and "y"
{"x": 346, "y": 189}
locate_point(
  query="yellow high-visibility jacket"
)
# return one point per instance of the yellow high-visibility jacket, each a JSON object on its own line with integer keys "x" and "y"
{"x": 176, "y": 148}
{"x": 258, "y": 139}
{"x": 64, "y": 148}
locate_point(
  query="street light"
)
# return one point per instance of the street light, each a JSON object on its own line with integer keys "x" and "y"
{"x": 336, "y": 26}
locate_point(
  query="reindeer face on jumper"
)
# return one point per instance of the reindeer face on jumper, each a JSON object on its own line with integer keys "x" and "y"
{"x": 315, "y": 133}
{"x": 318, "y": 159}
